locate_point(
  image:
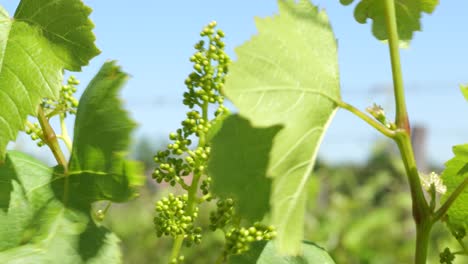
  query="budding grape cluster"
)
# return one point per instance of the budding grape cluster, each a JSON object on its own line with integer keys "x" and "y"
{"x": 379, "y": 114}
{"x": 210, "y": 65}
{"x": 205, "y": 186}
{"x": 223, "y": 214}
{"x": 459, "y": 232}
{"x": 176, "y": 215}
{"x": 173, "y": 219}
{"x": 66, "y": 103}
{"x": 447, "y": 256}
{"x": 204, "y": 86}
{"x": 35, "y": 131}
{"x": 238, "y": 240}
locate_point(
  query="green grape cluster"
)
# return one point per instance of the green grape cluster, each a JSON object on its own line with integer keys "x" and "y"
{"x": 195, "y": 124}
{"x": 177, "y": 260}
{"x": 458, "y": 232}
{"x": 176, "y": 215}
{"x": 447, "y": 256}
{"x": 205, "y": 187}
{"x": 238, "y": 240}
{"x": 210, "y": 65}
{"x": 223, "y": 214}
{"x": 173, "y": 219}
{"x": 66, "y": 103}
{"x": 204, "y": 86}
{"x": 172, "y": 168}
{"x": 36, "y": 134}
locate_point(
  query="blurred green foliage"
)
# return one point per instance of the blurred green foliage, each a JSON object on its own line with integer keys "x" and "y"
{"x": 360, "y": 213}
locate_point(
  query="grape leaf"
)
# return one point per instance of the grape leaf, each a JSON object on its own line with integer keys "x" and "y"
{"x": 288, "y": 75}
{"x": 456, "y": 171}
{"x": 216, "y": 125}
{"x": 408, "y": 16}
{"x": 98, "y": 168}
{"x": 238, "y": 170}
{"x": 346, "y": 2}
{"x": 265, "y": 253}
{"x": 464, "y": 90}
{"x": 36, "y": 45}
{"x": 37, "y": 228}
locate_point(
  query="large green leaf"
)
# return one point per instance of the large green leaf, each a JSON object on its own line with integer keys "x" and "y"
{"x": 262, "y": 253}
{"x": 288, "y": 75}
{"x": 238, "y": 170}
{"x": 464, "y": 90}
{"x": 456, "y": 171}
{"x": 408, "y": 16}
{"x": 98, "y": 167}
{"x": 36, "y": 45}
{"x": 35, "y": 227}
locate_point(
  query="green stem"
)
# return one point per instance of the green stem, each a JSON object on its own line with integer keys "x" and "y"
{"x": 369, "y": 120}
{"x": 462, "y": 244}
{"x": 444, "y": 208}
{"x": 50, "y": 139}
{"x": 65, "y": 137}
{"x": 182, "y": 184}
{"x": 204, "y": 198}
{"x": 390, "y": 18}
{"x": 421, "y": 211}
{"x": 29, "y": 125}
{"x": 423, "y": 232}
{"x": 432, "y": 193}
{"x": 192, "y": 190}
{"x": 176, "y": 247}
{"x": 54, "y": 112}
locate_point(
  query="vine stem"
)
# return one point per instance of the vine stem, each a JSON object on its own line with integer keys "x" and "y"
{"x": 192, "y": 190}
{"x": 393, "y": 41}
{"x": 50, "y": 139}
{"x": 421, "y": 212}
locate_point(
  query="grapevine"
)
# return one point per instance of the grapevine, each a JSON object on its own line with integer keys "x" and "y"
{"x": 176, "y": 215}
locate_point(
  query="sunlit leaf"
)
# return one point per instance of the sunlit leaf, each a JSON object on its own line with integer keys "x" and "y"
{"x": 408, "y": 16}
{"x": 36, "y": 46}
{"x": 456, "y": 171}
{"x": 287, "y": 75}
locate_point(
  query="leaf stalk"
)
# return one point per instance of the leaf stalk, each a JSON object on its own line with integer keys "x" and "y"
{"x": 401, "y": 119}
{"x": 64, "y": 136}
{"x": 369, "y": 120}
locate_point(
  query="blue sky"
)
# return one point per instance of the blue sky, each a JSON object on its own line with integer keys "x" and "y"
{"x": 153, "y": 40}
